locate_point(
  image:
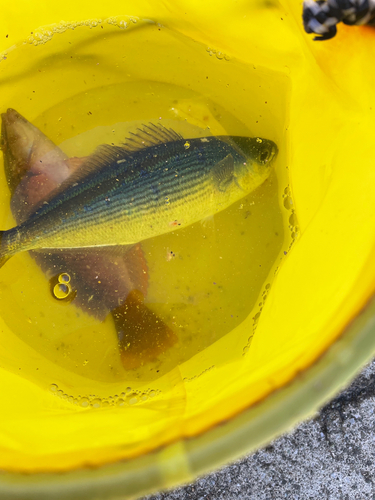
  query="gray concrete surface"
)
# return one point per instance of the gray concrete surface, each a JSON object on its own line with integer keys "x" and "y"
{"x": 330, "y": 457}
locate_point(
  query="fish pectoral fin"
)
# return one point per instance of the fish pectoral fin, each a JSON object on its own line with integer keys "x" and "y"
{"x": 148, "y": 135}
{"x": 208, "y": 221}
{"x": 223, "y": 173}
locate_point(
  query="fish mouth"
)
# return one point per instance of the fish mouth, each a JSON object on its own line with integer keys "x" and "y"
{"x": 273, "y": 152}
{"x": 268, "y": 153}
{"x": 256, "y": 149}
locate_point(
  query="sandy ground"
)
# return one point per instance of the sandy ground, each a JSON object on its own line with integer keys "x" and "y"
{"x": 331, "y": 456}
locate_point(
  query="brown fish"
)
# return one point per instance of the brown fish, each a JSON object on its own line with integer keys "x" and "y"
{"x": 104, "y": 280}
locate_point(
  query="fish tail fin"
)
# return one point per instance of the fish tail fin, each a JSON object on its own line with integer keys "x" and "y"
{"x": 4, "y": 249}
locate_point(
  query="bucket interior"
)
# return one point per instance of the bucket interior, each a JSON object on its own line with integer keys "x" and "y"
{"x": 254, "y": 296}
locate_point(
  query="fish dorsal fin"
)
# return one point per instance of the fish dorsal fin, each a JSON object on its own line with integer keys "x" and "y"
{"x": 147, "y": 136}
{"x": 150, "y": 135}
{"x": 102, "y": 157}
{"x": 106, "y": 154}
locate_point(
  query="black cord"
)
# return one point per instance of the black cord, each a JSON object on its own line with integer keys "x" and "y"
{"x": 322, "y": 17}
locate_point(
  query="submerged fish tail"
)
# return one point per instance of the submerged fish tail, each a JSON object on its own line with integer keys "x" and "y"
{"x": 4, "y": 250}
{"x": 10, "y": 244}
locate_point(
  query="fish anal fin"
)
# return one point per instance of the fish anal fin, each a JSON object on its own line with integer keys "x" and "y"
{"x": 143, "y": 335}
{"x": 223, "y": 173}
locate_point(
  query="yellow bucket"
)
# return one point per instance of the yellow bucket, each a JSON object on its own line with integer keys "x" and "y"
{"x": 315, "y": 330}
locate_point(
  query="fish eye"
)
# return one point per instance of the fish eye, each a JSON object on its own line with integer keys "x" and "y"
{"x": 263, "y": 157}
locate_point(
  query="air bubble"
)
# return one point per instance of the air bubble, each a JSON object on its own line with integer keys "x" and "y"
{"x": 61, "y": 291}
{"x": 128, "y": 397}
{"x": 220, "y": 55}
{"x": 122, "y": 24}
{"x": 288, "y": 203}
{"x": 64, "y": 278}
{"x": 256, "y": 317}
{"x": 61, "y": 287}
{"x": 45, "y": 34}
{"x": 293, "y": 219}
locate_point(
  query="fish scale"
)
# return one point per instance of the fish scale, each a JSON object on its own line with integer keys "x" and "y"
{"x": 122, "y": 196}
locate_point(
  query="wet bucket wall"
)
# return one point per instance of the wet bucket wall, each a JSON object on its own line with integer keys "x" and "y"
{"x": 71, "y": 418}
